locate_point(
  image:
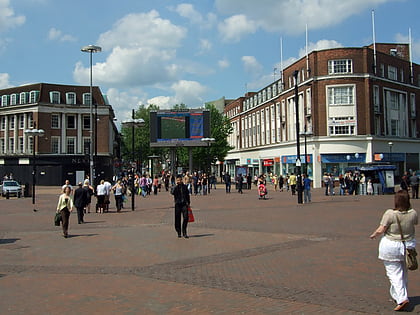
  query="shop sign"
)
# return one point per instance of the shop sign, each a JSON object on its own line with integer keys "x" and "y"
{"x": 268, "y": 162}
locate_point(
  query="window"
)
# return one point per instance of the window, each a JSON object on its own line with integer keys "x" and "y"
{"x": 86, "y": 122}
{"x": 11, "y": 122}
{"x": 14, "y": 99}
{"x": 71, "y": 145}
{"x": 20, "y": 150}
{"x": 340, "y": 66}
{"x": 394, "y": 127}
{"x": 71, "y": 122}
{"x": 33, "y": 97}
{"x": 86, "y": 98}
{"x": 376, "y": 104}
{"x": 413, "y": 104}
{"x": 393, "y": 100}
{"x": 31, "y": 144}
{"x": 30, "y": 120}
{"x": 392, "y": 73}
{"x": 54, "y": 97}
{"x": 23, "y": 98}
{"x": 2, "y": 146}
{"x": 86, "y": 145}
{"x": 342, "y": 126}
{"x": 3, "y": 123}
{"x": 340, "y": 95}
{"x": 71, "y": 98}
{"x": 55, "y": 145}
{"x": 11, "y": 145}
{"x": 5, "y": 100}
{"x": 55, "y": 121}
{"x": 21, "y": 121}
{"x": 382, "y": 69}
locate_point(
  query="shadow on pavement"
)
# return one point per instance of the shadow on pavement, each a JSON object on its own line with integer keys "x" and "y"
{"x": 9, "y": 240}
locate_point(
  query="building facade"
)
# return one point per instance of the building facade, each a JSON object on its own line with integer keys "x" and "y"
{"x": 63, "y": 152}
{"x": 355, "y": 105}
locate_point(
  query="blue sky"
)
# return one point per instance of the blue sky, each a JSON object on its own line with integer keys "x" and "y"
{"x": 167, "y": 52}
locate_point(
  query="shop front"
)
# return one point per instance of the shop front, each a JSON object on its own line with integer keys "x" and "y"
{"x": 289, "y": 164}
{"x": 336, "y": 163}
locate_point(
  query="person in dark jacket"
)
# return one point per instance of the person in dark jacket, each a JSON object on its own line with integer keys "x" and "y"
{"x": 182, "y": 202}
{"x": 80, "y": 202}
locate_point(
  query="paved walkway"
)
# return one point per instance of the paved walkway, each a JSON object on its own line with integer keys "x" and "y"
{"x": 244, "y": 256}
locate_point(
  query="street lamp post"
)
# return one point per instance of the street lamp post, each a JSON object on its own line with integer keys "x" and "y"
{"x": 209, "y": 141}
{"x": 390, "y": 144}
{"x": 298, "y": 161}
{"x": 93, "y": 132}
{"x": 306, "y": 134}
{"x": 34, "y": 133}
{"x": 133, "y": 122}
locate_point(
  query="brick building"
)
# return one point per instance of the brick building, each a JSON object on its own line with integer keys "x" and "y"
{"x": 356, "y": 105}
{"x": 63, "y": 112}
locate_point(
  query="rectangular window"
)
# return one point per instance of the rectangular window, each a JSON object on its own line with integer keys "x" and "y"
{"x": 5, "y": 100}
{"x": 31, "y": 145}
{"x": 2, "y": 146}
{"x": 14, "y": 99}
{"x": 55, "y": 145}
{"x": 413, "y": 105}
{"x": 71, "y": 145}
{"x": 54, "y": 97}
{"x": 71, "y": 122}
{"x": 392, "y": 73}
{"x": 340, "y": 66}
{"x": 11, "y": 145}
{"x": 23, "y": 98}
{"x": 3, "y": 123}
{"x": 30, "y": 120}
{"x": 394, "y": 127}
{"x": 21, "y": 121}
{"x": 86, "y": 145}
{"x": 11, "y": 122}
{"x": 55, "y": 121}
{"x": 341, "y": 95}
{"x": 342, "y": 126}
{"x": 86, "y": 122}
{"x": 71, "y": 98}
{"x": 20, "y": 145}
{"x": 376, "y": 104}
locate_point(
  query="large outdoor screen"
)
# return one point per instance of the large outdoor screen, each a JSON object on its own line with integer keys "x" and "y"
{"x": 179, "y": 128}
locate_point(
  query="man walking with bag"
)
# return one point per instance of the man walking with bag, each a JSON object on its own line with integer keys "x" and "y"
{"x": 182, "y": 202}
{"x": 80, "y": 202}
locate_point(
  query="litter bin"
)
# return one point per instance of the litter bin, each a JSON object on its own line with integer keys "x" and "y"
{"x": 27, "y": 190}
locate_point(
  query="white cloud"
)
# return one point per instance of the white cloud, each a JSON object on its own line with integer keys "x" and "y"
{"x": 320, "y": 45}
{"x": 8, "y": 19}
{"x": 223, "y": 63}
{"x": 205, "y": 46}
{"x": 251, "y": 65}
{"x": 290, "y": 16}
{"x": 235, "y": 27}
{"x": 187, "y": 11}
{"x": 4, "y": 80}
{"x": 142, "y": 52}
{"x": 123, "y": 102}
{"x": 55, "y": 34}
{"x": 186, "y": 92}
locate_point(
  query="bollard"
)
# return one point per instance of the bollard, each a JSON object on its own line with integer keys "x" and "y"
{"x": 7, "y": 195}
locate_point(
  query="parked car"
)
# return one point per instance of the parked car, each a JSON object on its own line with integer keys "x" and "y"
{"x": 11, "y": 188}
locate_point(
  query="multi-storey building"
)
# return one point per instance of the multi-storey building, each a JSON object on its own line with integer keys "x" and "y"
{"x": 63, "y": 152}
{"x": 355, "y": 105}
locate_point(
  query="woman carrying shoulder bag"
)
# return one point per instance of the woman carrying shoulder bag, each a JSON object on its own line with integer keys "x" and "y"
{"x": 397, "y": 227}
{"x": 65, "y": 206}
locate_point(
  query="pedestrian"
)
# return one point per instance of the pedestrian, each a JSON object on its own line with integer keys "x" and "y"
{"x": 67, "y": 184}
{"x": 307, "y": 196}
{"x": 118, "y": 190}
{"x": 80, "y": 202}
{"x": 248, "y": 181}
{"x": 182, "y": 202}
{"x": 404, "y": 183}
{"x": 100, "y": 195}
{"x": 90, "y": 192}
{"x": 64, "y": 207}
{"x": 326, "y": 181}
{"x": 228, "y": 182}
{"x": 155, "y": 185}
{"x": 239, "y": 183}
{"x": 275, "y": 182}
{"x": 107, "y": 201}
{"x": 369, "y": 187}
{"x": 414, "y": 184}
{"x": 205, "y": 184}
{"x": 281, "y": 182}
{"x": 292, "y": 183}
{"x": 331, "y": 185}
{"x": 394, "y": 224}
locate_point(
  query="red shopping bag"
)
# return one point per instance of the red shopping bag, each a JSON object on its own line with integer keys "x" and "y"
{"x": 190, "y": 215}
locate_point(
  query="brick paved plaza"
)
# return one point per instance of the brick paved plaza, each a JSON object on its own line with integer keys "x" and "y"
{"x": 244, "y": 256}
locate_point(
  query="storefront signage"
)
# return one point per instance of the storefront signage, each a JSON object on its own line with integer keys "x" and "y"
{"x": 268, "y": 162}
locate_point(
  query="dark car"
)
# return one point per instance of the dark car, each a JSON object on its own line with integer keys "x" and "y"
{"x": 11, "y": 188}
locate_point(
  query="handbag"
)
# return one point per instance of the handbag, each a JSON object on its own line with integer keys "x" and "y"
{"x": 410, "y": 253}
{"x": 57, "y": 219}
{"x": 190, "y": 215}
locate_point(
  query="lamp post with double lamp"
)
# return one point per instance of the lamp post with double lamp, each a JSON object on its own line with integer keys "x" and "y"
{"x": 133, "y": 123}
{"x": 298, "y": 161}
{"x": 34, "y": 133}
{"x": 209, "y": 141}
{"x": 93, "y": 131}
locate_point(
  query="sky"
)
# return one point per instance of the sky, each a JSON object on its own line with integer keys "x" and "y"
{"x": 168, "y": 52}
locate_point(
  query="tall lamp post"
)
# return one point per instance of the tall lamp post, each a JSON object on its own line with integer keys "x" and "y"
{"x": 390, "y": 144}
{"x": 209, "y": 141}
{"x": 133, "y": 123}
{"x": 298, "y": 161}
{"x": 306, "y": 134}
{"x": 34, "y": 133}
{"x": 93, "y": 132}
